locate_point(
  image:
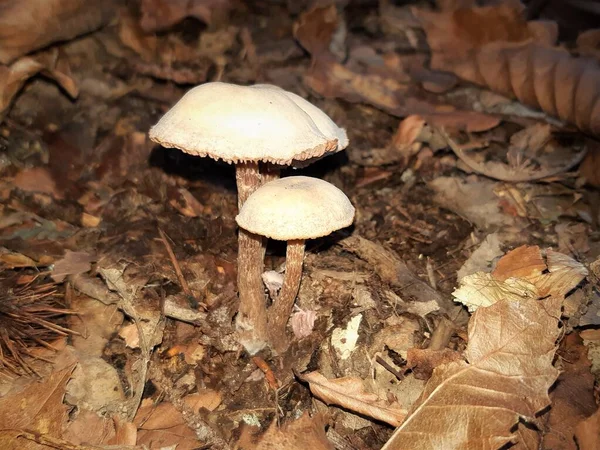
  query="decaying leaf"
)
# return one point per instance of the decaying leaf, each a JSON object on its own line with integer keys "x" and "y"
{"x": 522, "y": 273}
{"x": 13, "y": 77}
{"x": 350, "y": 393}
{"x": 572, "y": 396}
{"x": 475, "y": 404}
{"x": 384, "y": 87}
{"x": 27, "y": 25}
{"x": 163, "y": 425}
{"x": 587, "y": 432}
{"x": 481, "y": 289}
{"x": 306, "y": 432}
{"x": 71, "y": 264}
{"x": 40, "y": 410}
{"x": 495, "y": 47}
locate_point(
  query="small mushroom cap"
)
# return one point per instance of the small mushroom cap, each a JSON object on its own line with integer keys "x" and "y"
{"x": 248, "y": 123}
{"x": 296, "y": 208}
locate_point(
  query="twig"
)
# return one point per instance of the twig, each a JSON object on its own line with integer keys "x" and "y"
{"x": 180, "y": 277}
{"x": 399, "y": 375}
{"x": 442, "y": 334}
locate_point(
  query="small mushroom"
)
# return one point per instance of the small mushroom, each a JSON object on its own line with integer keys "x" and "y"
{"x": 248, "y": 126}
{"x": 293, "y": 209}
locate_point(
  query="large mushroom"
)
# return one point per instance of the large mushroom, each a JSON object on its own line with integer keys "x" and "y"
{"x": 293, "y": 209}
{"x": 248, "y": 126}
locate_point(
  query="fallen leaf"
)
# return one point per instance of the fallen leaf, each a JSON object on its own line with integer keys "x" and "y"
{"x": 483, "y": 256}
{"x": 13, "y": 77}
{"x": 95, "y": 385}
{"x": 315, "y": 29}
{"x": 495, "y": 47}
{"x": 422, "y": 361}
{"x": 40, "y": 410}
{"x": 306, "y": 432}
{"x": 205, "y": 399}
{"x": 28, "y": 25}
{"x": 476, "y": 201}
{"x": 482, "y": 289}
{"x": 163, "y": 425}
{"x": 72, "y": 263}
{"x": 350, "y": 393}
{"x": 475, "y": 404}
{"x": 587, "y": 432}
{"x": 572, "y": 396}
{"x": 90, "y": 428}
{"x": 37, "y": 179}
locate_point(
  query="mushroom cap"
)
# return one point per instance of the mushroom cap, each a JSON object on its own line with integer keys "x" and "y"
{"x": 296, "y": 207}
{"x": 248, "y": 123}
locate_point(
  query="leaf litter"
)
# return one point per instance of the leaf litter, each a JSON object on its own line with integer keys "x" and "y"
{"x": 461, "y": 308}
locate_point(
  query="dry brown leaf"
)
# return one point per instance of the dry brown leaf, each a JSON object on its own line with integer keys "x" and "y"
{"x": 89, "y": 428}
{"x": 587, "y": 432}
{"x": 205, "y": 399}
{"x": 590, "y": 166}
{"x": 27, "y": 25}
{"x": 350, "y": 393}
{"x": 13, "y": 77}
{"x": 422, "y": 361}
{"x": 495, "y": 47}
{"x": 475, "y": 404}
{"x": 306, "y": 432}
{"x": 527, "y": 263}
{"x": 522, "y": 273}
{"x": 379, "y": 84}
{"x": 36, "y": 179}
{"x": 315, "y": 30}
{"x": 71, "y": 264}
{"x": 162, "y": 14}
{"x": 163, "y": 425}
{"x": 38, "y": 408}
{"x": 572, "y": 396}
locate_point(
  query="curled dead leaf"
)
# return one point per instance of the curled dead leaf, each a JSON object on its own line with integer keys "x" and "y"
{"x": 27, "y": 25}
{"x": 512, "y": 57}
{"x": 350, "y": 393}
{"x": 13, "y": 77}
{"x": 476, "y": 404}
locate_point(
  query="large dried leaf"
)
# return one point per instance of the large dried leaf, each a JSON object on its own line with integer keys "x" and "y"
{"x": 371, "y": 80}
{"x": 475, "y": 404}
{"x": 493, "y": 46}
{"x": 38, "y": 408}
{"x": 27, "y": 25}
{"x": 350, "y": 393}
{"x": 522, "y": 273}
{"x": 13, "y": 77}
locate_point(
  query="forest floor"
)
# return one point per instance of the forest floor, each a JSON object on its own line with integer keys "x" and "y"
{"x": 462, "y": 301}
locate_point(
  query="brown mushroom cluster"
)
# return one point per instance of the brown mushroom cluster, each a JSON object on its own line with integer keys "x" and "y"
{"x": 261, "y": 128}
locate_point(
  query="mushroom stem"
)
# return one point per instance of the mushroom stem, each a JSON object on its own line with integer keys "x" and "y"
{"x": 269, "y": 172}
{"x": 279, "y": 313}
{"x": 251, "y": 319}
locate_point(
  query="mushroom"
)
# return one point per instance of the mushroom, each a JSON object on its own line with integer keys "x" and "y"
{"x": 293, "y": 209}
{"x": 248, "y": 125}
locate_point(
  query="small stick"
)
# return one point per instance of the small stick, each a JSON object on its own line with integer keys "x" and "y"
{"x": 442, "y": 334}
{"x": 399, "y": 375}
{"x": 180, "y": 277}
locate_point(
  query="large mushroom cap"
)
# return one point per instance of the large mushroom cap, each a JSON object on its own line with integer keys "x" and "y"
{"x": 296, "y": 208}
{"x": 248, "y": 123}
